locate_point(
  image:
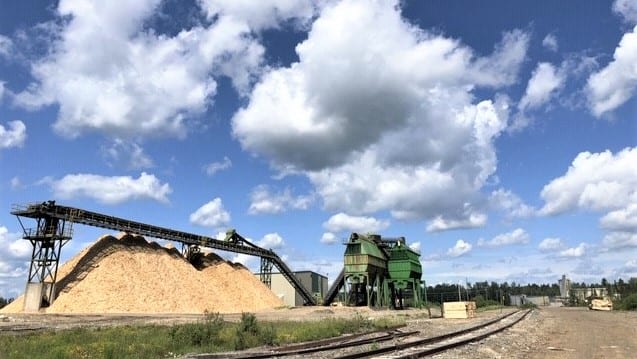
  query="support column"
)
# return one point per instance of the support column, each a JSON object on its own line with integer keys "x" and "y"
{"x": 47, "y": 239}
{"x": 266, "y": 272}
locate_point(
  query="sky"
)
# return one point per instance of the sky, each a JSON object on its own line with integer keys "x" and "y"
{"x": 499, "y": 137}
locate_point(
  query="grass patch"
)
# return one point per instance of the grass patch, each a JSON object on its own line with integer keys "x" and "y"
{"x": 208, "y": 335}
{"x": 628, "y": 303}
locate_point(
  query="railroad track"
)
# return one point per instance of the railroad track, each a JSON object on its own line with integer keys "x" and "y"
{"x": 331, "y": 344}
{"x": 406, "y": 348}
{"x": 432, "y": 345}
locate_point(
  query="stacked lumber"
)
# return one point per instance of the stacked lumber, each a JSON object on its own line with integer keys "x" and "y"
{"x": 459, "y": 310}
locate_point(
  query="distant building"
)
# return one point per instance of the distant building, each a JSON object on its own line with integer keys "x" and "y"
{"x": 581, "y": 294}
{"x": 315, "y": 283}
{"x": 565, "y": 286}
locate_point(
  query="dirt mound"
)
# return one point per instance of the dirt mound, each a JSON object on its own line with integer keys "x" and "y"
{"x": 127, "y": 274}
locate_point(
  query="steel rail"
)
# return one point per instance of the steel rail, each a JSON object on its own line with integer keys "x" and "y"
{"x": 425, "y": 341}
{"x": 459, "y": 343}
{"x": 317, "y": 346}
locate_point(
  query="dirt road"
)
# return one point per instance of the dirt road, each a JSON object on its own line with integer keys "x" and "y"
{"x": 581, "y": 333}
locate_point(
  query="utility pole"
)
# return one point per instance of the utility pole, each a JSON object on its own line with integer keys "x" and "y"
{"x": 459, "y": 297}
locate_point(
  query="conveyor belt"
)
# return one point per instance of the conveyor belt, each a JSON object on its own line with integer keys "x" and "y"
{"x": 333, "y": 291}
{"x": 235, "y": 243}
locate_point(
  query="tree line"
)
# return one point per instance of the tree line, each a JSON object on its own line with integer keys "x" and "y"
{"x": 499, "y": 292}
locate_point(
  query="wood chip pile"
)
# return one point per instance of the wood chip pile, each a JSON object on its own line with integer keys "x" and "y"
{"x": 127, "y": 274}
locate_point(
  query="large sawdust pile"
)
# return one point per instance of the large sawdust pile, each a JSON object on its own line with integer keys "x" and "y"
{"x": 130, "y": 275}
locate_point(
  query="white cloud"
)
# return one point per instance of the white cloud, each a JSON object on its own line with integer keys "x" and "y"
{"x": 461, "y": 248}
{"x": 598, "y": 181}
{"x": 342, "y": 222}
{"x": 2, "y": 90}
{"x": 144, "y": 82}
{"x": 624, "y": 219}
{"x": 5, "y": 46}
{"x": 128, "y": 154}
{"x": 517, "y": 236}
{"x": 261, "y": 14}
{"x": 551, "y": 244}
{"x": 14, "y": 135}
{"x": 574, "y": 252}
{"x": 627, "y": 9}
{"x": 110, "y": 190}
{"x": 550, "y": 42}
{"x": 14, "y": 263}
{"x": 265, "y": 202}
{"x": 271, "y": 241}
{"x": 12, "y": 246}
{"x": 415, "y": 246}
{"x": 215, "y": 167}
{"x": 335, "y": 118}
{"x": 211, "y": 214}
{"x": 472, "y": 220}
{"x": 544, "y": 81}
{"x": 618, "y": 240}
{"x": 16, "y": 183}
{"x": 328, "y": 238}
{"x": 613, "y": 85}
{"x": 510, "y": 203}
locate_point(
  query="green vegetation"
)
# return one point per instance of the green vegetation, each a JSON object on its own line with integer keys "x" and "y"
{"x": 628, "y": 303}
{"x": 210, "y": 334}
{"x": 5, "y": 301}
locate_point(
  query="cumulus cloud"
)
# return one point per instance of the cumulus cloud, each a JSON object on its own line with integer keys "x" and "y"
{"x": 613, "y": 85}
{"x": 550, "y": 42}
{"x": 618, "y": 240}
{"x": 461, "y": 248}
{"x": 212, "y": 168}
{"x": 127, "y": 154}
{"x": 211, "y": 214}
{"x": 574, "y": 252}
{"x": 110, "y": 190}
{"x": 14, "y": 258}
{"x": 624, "y": 219}
{"x": 544, "y": 81}
{"x": 415, "y": 246}
{"x": 551, "y": 244}
{"x": 328, "y": 238}
{"x": 13, "y": 135}
{"x": 627, "y": 9}
{"x": 517, "y": 236}
{"x": 335, "y": 118}
{"x": 510, "y": 203}
{"x": 342, "y": 222}
{"x": 261, "y": 14}
{"x": 597, "y": 181}
{"x": 144, "y": 82}
{"x": 471, "y": 220}
{"x": 269, "y": 241}
{"x": 265, "y": 202}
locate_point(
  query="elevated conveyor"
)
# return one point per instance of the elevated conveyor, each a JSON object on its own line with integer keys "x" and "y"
{"x": 336, "y": 286}
{"x": 233, "y": 242}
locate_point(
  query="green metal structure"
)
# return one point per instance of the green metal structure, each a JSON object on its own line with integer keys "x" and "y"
{"x": 405, "y": 273}
{"x": 379, "y": 272}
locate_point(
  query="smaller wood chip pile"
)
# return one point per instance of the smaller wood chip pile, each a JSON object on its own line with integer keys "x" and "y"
{"x": 127, "y": 274}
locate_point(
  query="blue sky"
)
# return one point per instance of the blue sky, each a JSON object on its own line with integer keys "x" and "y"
{"x": 499, "y": 138}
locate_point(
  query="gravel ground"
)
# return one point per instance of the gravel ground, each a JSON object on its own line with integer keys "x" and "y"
{"x": 561, "y": 333}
